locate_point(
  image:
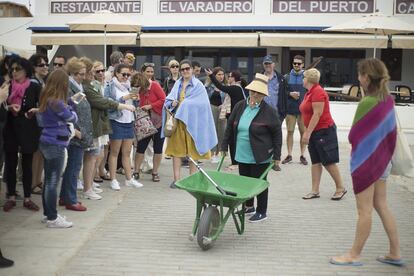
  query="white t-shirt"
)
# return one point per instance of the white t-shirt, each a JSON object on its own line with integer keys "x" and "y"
{"x": 127, "y": 116}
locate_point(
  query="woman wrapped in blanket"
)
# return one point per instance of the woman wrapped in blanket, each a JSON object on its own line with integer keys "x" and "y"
{"x": 373, "y": 138}
{"x": 195, "y": 134}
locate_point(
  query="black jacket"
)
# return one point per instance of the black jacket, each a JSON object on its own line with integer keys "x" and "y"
{"x": 235, "y": 92}
{"x": 19, "y": 130}
{"x": 265, "y": 132}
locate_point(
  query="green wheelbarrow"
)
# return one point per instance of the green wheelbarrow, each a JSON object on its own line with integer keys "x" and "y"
{"x": 216, "y": 191}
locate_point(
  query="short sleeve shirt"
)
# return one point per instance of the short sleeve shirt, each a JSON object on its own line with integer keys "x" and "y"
{"x": 316, "y": 94}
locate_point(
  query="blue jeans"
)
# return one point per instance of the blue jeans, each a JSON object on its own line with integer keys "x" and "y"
{"x": 53, "y": 162}
{"x": 71, "y": 175}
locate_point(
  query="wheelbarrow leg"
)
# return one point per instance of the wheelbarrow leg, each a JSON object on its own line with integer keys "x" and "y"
{"x": 240, "y": 215}
{"x": 197, "y": 219}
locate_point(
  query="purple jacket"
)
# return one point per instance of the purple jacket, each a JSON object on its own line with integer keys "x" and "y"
{"x": 54, "y": 123}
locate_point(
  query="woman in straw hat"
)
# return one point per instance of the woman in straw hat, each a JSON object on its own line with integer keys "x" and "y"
{"x": 256, "y": 131}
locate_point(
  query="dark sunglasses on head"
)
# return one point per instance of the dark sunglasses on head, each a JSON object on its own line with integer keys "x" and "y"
{"x": 185, "y": 69}
{"x": 58, "y": 64}
{"x": 126, "y": 75}
{"x": 42, "y": 65}
{"x": 297, "y": 63}
{"x": 100, "y": 71}
{"x": 174, "y": 66}
{"x": 16, "y": 69}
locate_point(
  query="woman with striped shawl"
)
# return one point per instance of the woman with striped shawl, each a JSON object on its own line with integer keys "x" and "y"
{"x": 373, "y": 138}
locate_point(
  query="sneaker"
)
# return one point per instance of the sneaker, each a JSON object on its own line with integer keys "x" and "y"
{"x": 76, "y": 207}
{"x": 288, "y": 159}
{"x": 257, "y": 217}
{"x": 59, "y": 222}
{"x": 173, "y": 186}
{"x": 30, "y": 205}
{"x": 97, "y": 190}
{"x": 115, "y": 185}
{"x": 133, "y": 183}
{"x": 277, "y": 168}
{"x": 96, "y": 185}
{"x": 91, "y": 195}
{"x": 44, "y": 219}
{"x": 215, "y": 159}
{"x": 9, "y": 205}
{"x": 248, "y": 211}
{"x": 303, "y": 160}
{"x": 79, "y": 185}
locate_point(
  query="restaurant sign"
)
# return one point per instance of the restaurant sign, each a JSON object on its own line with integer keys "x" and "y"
{"x": 324, "y": 6}
{"x": 69, "y": 7}
{"x": 404, "y": 6}
{"x": 206, "y": 6}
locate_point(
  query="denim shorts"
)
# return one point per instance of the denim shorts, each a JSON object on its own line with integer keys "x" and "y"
{"x": 387, "y": 172}
{"x": 95, "y": 151}
{"x": 122, "y": 131}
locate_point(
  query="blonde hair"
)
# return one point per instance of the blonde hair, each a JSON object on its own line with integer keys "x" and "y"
{"x": 74, "y": 65}
{"x": 312, "y": 75}
{"x": 88, "y": 63}
{"x": 173, "y": 62}
{"x": 97, "y": 64}
{"x": 378, "y": 77}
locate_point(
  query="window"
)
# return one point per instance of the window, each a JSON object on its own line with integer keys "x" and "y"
{"x": 393, "y": 60}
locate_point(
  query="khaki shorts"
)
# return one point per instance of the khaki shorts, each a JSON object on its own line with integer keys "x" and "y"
{"x": 291, "y": 123}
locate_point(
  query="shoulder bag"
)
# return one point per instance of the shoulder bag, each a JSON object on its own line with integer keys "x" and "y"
{"x": 143, "y": 125}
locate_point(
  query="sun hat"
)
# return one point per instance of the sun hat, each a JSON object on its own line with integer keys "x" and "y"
{"x": 259, "y": 84}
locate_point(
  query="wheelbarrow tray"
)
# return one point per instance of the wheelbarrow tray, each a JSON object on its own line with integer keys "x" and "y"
{"x": 201, "y": 188}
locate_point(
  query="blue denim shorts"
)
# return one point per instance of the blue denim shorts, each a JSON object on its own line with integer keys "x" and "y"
{"x": 95, "y": 151}
{"x": 387, "y": 172}
{"x": 122, "y": 131}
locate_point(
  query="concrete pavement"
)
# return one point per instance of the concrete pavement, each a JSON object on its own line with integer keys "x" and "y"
{"x": 145, "y": 232}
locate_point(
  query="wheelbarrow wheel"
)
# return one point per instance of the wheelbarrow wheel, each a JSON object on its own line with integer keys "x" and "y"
{"x": 208, "y": 227}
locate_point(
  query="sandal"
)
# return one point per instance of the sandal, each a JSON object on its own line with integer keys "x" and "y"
{"x": 97, "y": 180}
{"x": 38, "y": 189}
{"x": 30, "y": 205}
{"x": 155, "y": 177}
{"x": 339, "y": 195}
{"x": 105, "y": 176}
{"x": 311, "y": 196}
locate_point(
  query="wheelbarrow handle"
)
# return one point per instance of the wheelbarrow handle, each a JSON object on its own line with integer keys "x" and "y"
{"x": 220, "y": 163}
{"x": 272, "y": 163}
{"x": 221, "y": 190}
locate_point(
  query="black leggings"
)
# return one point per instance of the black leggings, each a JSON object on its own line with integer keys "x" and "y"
{"x": 10, "y": 166}
{"x": 256, "y": 170}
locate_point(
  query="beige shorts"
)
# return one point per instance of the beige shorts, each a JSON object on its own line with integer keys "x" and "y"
{"x": 291, "y": 123}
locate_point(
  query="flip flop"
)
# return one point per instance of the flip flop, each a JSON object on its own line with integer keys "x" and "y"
{"x": 105, "y": 176}
{"x": 341, "y": 195}
{"x": 386, "y": 260}
{"x": 97, "y": 180}
{"x": 38, "y": 189}
{"x": 311, "y": 196}
{"x": 349, "y": 263}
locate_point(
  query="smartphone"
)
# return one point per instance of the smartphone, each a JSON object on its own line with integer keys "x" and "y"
{"x": 78, "y": 97}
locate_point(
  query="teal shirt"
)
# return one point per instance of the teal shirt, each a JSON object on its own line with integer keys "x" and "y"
{"x": 244, "y": 153}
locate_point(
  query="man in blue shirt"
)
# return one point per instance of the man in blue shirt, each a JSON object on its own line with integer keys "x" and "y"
{"x": 276, "y": 87}
{"x": 295, "y": 94}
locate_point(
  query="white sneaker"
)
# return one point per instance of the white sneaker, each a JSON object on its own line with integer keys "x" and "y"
{"x": 80, "y": 185}
{"x": 96, "y": 185}
{"x": 133, "y": 183}
{"x": 91, "y": 195}
{"x": 115, "y": 185}
{"x": 97, "y": 190}
{"x": 215, "y": 159}
{"x": 59, "y": 222}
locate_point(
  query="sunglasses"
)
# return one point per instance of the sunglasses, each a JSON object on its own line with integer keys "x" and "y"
{"x": 185, "y": 69}
{"x": 297, "y": 63}
{"x": 126, "y": 75}
{"x": 58, "y": 64}
{"x": 149, "y": 64}
{"x": 174, "y": 66}
{"x": 42, "y": 65}
{"x": 100, "y": 71}
{"x": 267, "y": 63}
{"x": 16, "y": 69}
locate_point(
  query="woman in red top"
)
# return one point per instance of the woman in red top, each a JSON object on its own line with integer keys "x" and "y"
{"x": 151, "y": 98}
{"x": 320, "y": 135}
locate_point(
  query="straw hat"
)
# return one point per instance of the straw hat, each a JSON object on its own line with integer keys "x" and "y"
{"x": 259, "y": 84}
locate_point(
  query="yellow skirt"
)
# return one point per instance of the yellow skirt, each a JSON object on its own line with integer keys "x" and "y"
{"x": 181, "y": 144}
